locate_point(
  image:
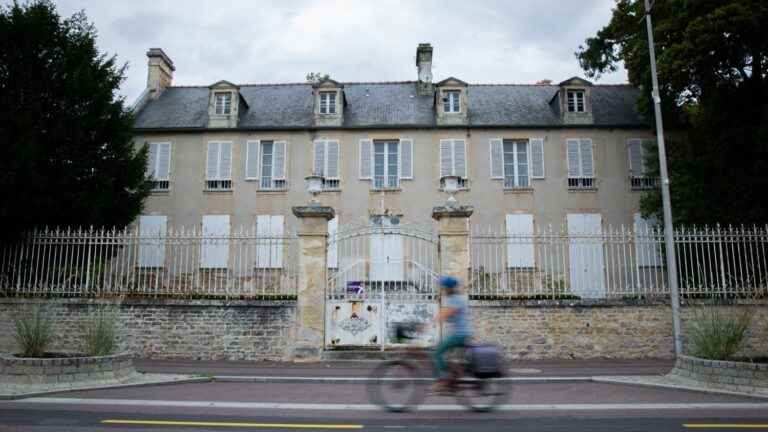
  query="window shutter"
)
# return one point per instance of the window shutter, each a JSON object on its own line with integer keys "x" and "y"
{"x": 366, "y": 159}
{"x": 647, "y": 248}
{"x": 520, "y": 252}
{"x": 263, "y": 224}
{"x": 212, "y": 170}
{"x": 537, "y": 158}
{"x": 214, "y": 252}
{"x": 635, "y": 158}
{"x": 225, "y": 160}
{"x": 446, "y": 158}
{"x": 276, "y": 251}
{"x": 497, "y": 158}
{"x": 332, "y": 149}
{"x": 460, "y": 158}
{"x": 152, "y": 161}
{"x": 163, "y": 161}
{"x": 406, "y": 158}
{"x": 278, "y": 160}
{"x": 333, "y": 247}
{"x": 252, "y": 160}
{"x": 574, "y": 163}
{"x": 319, "y": 168}
{"x": 152, "y": 230}
{"x": 587, "y": 160}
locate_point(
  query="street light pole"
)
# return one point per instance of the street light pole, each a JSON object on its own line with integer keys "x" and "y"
{"x": 668, "y": 233}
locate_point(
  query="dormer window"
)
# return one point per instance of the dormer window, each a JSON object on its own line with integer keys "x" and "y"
{"x": 452, "y": 101}
{"x": 575, "y": 100}
{"x": 223, "y": 103}
{"x": 327, "y": 102}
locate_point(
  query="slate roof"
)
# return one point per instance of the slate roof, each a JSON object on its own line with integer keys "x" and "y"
{"x": 388, "y": 105}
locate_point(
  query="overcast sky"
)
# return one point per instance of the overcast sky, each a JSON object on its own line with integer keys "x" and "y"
{"x": 255, "y": 41}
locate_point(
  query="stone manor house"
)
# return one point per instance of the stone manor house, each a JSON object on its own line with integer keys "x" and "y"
{"x": 229, "y": 155}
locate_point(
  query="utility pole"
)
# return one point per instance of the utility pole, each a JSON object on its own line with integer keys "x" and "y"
{"x": 666, "y": 204}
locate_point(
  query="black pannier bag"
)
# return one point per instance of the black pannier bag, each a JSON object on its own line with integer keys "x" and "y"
{"x": 486, "y": 361}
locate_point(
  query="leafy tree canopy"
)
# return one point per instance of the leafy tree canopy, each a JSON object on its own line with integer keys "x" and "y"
{"x": 712, "y": 57}
{"x": 317, "y": 77}
{"x": 66, "y": 152}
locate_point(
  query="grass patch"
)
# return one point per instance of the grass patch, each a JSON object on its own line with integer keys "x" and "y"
{"x": 33, "y": 332}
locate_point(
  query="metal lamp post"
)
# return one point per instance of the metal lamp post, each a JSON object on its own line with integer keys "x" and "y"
{"x": 666, "y": 203}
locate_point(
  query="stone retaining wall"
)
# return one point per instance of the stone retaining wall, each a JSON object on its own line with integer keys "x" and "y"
{"x": 14, "y": 370}
{"x": 600, "y": 329}
{"x": 726, "y": 375}
{"x": 189, "y": 329}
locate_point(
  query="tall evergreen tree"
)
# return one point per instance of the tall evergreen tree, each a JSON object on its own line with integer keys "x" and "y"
{"x": 66, "y": 152}
{"x": 712, "y": 61}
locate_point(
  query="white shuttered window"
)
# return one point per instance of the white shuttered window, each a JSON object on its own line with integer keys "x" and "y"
{"x": 218, "y": 171}
{"x": 520, "y": 248}
{"x": 269, "y": 249}
{"x": 537, "y": 158}
{"x": 214, "y": 252}
{"x": 453, "y": 157}
{"x": 366, "y": 159}
{"x": 647, "y": 249}
{"x": 159, "y": 165}
{"x": 265, "y": 162}
{"x": 581, "y": 166}
{"x": 152, "y": 230}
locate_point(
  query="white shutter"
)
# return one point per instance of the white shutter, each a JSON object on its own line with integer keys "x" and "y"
{"x": 276, "y": 251}
{"x": 319, "y": 166}
{"x": 279, "y": 160}
{"x": 152, "y": 230}
{"x": 520, "y": 251}
{"x": 497, "y": 158}
{"x": 635, "y": 157}
{"x": 332, "y": 159}
{"x": 585, "y": 251}
{"x": 460, "y": 158}
{"x": 366, "y": 159}
{"x": 215, "y": 249}
{"x": 647, "y": 248}
{"x": 587, "y": 159}
{"x": 446, "y": 158}
{"x": 152, "y": 161}
{"x": 252, "y": 160}
{"x": 333, "y": 246}
{"x": 537, "y": 158}
{"x": 406, "y": 158}
{"x": 574, "y": 162}
{"x": 225, "y": 160}
{"x": 163, "y": 161}
{"x": 212, "y": 163}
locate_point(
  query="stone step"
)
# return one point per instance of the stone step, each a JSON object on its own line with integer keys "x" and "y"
{"x": 362, "y": 354}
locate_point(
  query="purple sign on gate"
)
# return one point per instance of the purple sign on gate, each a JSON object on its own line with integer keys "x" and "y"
{"x": 355, "y": 287}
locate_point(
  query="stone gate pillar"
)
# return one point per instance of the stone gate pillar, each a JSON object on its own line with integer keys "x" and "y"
{"x": 453, "y": 230}
{"x": 310, "y": 316}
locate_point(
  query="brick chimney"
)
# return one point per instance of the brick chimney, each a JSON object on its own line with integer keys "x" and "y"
{"x": 159, "y": 73}
{"x": 424, "y": 64}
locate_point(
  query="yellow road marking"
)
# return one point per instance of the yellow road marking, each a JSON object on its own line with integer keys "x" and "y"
{"x": 231, "y": 424}
{"x": 724, "y": 426}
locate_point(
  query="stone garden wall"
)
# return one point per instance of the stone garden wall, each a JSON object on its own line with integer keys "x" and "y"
{"x": 190, "y": 329}
{"x": 604, "y": 329}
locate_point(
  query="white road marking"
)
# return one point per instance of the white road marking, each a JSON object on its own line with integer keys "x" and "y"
{"x": 368, "y": 407}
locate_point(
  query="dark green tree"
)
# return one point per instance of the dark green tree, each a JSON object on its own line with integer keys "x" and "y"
{"x": 712, "y": 59}
{"x": 66, "y": 152}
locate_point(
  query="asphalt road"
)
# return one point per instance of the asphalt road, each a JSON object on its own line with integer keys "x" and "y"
{"x": 579, "y": 406}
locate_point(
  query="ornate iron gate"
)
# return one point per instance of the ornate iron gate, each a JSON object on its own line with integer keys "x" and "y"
{"x": 379, "y": 273}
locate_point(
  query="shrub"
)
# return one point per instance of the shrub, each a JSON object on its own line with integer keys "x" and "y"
{"x": 716, "y": 335}
{"x": 33, "y": 332}
{"x": 101, "y": 333}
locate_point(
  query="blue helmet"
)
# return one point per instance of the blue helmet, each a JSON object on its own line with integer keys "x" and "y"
{"x": 449, "y": 282}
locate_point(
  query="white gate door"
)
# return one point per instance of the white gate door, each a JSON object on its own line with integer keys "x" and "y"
{"x": 586, "y": 255}
{"x": 387, "y": 257}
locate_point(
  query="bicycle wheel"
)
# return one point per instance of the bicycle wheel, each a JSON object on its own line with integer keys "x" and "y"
{"x": 396, "y": 386}
{"x": 482, "y": 394}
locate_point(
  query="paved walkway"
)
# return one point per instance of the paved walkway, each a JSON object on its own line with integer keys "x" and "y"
{"x": 532, "y": 368}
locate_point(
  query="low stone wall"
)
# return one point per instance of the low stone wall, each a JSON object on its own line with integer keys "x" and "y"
{"x": 15, "y": 370}
{"x": 725, "y": 375}
{"x": 627, "y": 329}
{"x": 162, "y": 329}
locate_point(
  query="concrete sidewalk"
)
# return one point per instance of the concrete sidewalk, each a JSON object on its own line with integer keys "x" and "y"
{"x": 360, "y": 369}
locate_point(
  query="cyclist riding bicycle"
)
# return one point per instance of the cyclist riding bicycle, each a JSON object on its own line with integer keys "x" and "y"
{"x": 455, "y": 312}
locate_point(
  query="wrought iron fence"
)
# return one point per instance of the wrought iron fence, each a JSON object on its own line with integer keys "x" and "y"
{"x": 184, "y": 263}
{"x": 618, "y": 263}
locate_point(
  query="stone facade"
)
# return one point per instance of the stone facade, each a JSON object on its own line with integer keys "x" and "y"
{"x": 192, "y": 329}
{"x": 723, "y": 375}
{"x": 15, "y": 370}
